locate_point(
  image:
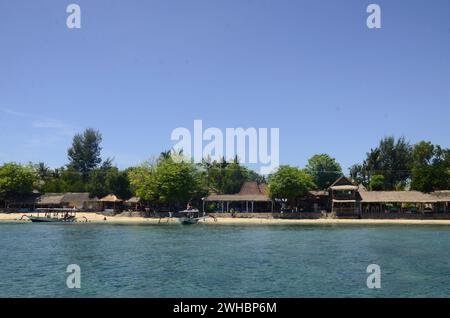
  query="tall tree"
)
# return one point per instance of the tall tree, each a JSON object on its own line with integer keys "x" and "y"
{"x": 168, "y": 182}
{"x": 392, "y": 159}
{"x": 84, "y": 155}
{"x": 16, "y": 179}
{"x": 431, "y": 167}
{"x": 227, "y": 177}
{"x": 143, "y": 181}
{"x": 359, "y": 174}
{"x": 71, "y": 181}
{"x": 290, "y": 183}
{"x": 376, "y": 183}
{"x": 324, "y": 170}
{"x": 177, "y": 182}
{"x": 395, "y": 162}
{"x": 43, "y": 170}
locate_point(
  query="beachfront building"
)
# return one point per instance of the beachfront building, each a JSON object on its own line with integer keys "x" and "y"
{"x": 343, "y": 197}
{"x": 71, "y": 200}
{"x": 314, "y": 201}
{"x": 364, "y": 203}
{"x": 111, "y": 203}
{"x": 20, "y": 203}
{"x": 442, "y": 200}
{"x": 396, "y": 201}
{"x": 134, "y": 204}
{"x": 350, "y": 200}
{"x": 253, "y": 197}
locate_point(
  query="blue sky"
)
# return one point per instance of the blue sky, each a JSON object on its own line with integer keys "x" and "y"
{"x": 138, "y": 69}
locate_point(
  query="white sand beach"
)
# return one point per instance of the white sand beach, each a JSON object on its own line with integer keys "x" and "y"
{"x": 89, "y": 217}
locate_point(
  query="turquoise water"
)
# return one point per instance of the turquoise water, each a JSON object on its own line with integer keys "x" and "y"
{"x": 223, "y": 261}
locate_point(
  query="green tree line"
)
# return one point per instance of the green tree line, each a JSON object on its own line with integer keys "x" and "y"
{"x": 172, "y": 180}
{"x": 398, "y": 165}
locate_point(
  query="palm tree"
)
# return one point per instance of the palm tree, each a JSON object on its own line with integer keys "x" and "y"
{"x": 43, "y": 170}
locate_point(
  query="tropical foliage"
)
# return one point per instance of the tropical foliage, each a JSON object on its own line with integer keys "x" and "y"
{"x": 16, "y": 179}
{"x": 423, "y": 166}
{"x": 324, "y": 170}
{"x": 227, "y": 177}
{"x": 172, "y": 180}
{"x": 431, "y": 167}
{"x": 168, "y": 181}
{"x": 290, "y": 183}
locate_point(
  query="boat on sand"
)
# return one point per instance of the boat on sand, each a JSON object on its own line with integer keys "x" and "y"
{"x": 190, "y": 216}
{"x": 60, "y": 216}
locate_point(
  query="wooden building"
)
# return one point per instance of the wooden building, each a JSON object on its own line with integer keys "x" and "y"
{"x": 21, "y": 203}
{"x": 112, "y": 203}
{"x": 343, "y": 197}
{"x": 396, "y": 201}
{"x": 253, "y": 197}
{"x": 73, "y": 200}
{"x": 134, "y": 204}
{"x": 442, "y": 200}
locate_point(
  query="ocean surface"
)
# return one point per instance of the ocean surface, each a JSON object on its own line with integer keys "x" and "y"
{"x": 223, "y": 260}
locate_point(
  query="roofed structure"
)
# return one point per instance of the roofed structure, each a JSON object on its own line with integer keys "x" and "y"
{"x": 396, "y": 197}
{"x": 344, "y": 188}
{"x": 250, "y": 191}
{"x": 319, "y": 193}
{"x": 441, "y": 196}
{"x": 110, "y": 198}
{"x": 77, "y": 200}
{"x": 69, "y": 199}
{"x": 343, "y": 196}
{"x": 22, "y": 201}
{"x": 342, "y": 180}
{"x": 133, "y": 200}
{"x": 50, "y": 199}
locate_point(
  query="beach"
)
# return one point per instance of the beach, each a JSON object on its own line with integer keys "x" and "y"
{"x": 90, "y": 217}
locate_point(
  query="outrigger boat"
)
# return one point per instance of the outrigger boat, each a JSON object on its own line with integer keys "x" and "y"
{"x": 54, "y": 216}
{"x": 190, "y": 216}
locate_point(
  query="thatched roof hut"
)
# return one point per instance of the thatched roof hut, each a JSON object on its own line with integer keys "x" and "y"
{"x": 441, "y": 196}
{"x": 68, "y": 199}
{"x": 396, "y": 197}
{"x": 50, "y": 199}
{"x": 77, "y": 200}
{"x": 342, "y": 181}
{"x": 250, "y": 191}
{"x": 111, "y": 198}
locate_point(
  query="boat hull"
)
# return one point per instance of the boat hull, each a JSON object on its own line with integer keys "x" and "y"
{"x": 44, "y": 219}
{"x": 188, "y": 221}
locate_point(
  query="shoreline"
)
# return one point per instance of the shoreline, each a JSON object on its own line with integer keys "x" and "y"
{"x": 94, "y": 218}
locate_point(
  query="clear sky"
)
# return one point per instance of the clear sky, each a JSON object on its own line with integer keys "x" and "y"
{"x": 138, "y": 69}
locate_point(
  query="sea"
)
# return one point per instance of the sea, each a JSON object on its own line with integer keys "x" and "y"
{"x": 212, "y": 260}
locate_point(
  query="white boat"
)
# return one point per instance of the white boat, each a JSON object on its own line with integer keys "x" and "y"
{"x": 56, "y": 216}
{"x": 190, "y": 216}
